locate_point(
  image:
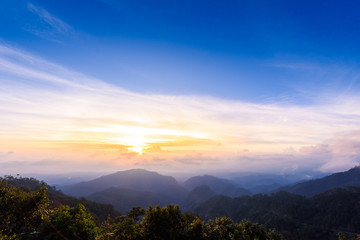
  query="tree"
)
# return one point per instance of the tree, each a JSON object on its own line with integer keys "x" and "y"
{"x": 163, "y": 223}
{"x": 69, "y": 223}
{"x": 21, "y": 213}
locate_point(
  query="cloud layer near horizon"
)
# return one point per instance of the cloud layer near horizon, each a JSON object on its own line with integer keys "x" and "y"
{"x": 54, "y": 119}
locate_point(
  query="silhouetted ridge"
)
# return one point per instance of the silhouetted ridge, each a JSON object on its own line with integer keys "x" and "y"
{"x": 218, "y": 185}
{"x": 196, "y": 196}
{"x": 336, "y": 180}
{"x": 297, "y": 217}
{"x": 124, "y": 199}
{"x": 135, "y": 179}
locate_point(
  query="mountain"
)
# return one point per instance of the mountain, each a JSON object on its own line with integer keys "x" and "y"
{"x": 336, "y": 180}
{"x": 26, "y": 214}
{"x": 297, "y": 217}
{"x": 251, "y": 180}
{"x": 135, "y": 179}
{"x": 264, "y": 189}
{"x": 124, "y": 199}
{"x": 218, "y": 185}
{"x": 57, "y": 198}
{"x": 196, "y": 196}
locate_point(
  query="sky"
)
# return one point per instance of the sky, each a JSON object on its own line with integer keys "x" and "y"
{"x": 179, "y": 86}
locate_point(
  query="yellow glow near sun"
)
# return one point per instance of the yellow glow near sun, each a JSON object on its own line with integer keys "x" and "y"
{"x": 137, "y": 149}
{"x": 136, "y": 143}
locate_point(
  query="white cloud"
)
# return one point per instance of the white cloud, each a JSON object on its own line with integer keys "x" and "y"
{"x": 49, "y": 111}
{"x": 54, "y": 22}
{"x": 47, "y": 26}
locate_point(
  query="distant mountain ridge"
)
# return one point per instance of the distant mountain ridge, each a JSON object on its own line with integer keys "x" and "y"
{"x": 138, "y": 187}
{"x": 124, "y": 199}
{"x": 297, "y": 217}
{"x": 336, "y": 180}
{"x": 135, "y": 179}
{"x": 219, "y": 185}
{"x": 197, "y": 196}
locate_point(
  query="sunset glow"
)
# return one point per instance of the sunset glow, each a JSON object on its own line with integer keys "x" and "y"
{"x": 79, "y": 95}
{"x": 138, "y": 149}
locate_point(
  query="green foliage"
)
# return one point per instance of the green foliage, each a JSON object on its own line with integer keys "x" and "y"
{"x": 135, "y": 213}
{"x": 163, "y": 223}
{"x": 25, "y": 213}
{"x": 295, "y": 216}
{"x": 21, "y": 212}
{"x": 169, "y": 223}
{"x": 8, "y": 237}
{"x": 351, "y": 236}
{"x": 71, "y": 223}
{"x": 342, "y": 236}
{"x": 125, "y": 228}
{"x": 58, "y": 199}
{"x": 225, "y": 228}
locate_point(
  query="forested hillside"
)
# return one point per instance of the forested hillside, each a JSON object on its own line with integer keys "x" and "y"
{"x": 30, "y": 209}
{"x": 316, "y": 186}
{"x": 296, "y": 217}
{"x": 57, "y": 198}
{"x": 28, "y": 212}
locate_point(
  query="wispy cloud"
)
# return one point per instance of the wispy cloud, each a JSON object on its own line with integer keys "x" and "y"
{"x": 330, "y": 79}
{"x": 49, "y": 112}
{"x": 54, "y": 22}
{"x": 47, "y": 26}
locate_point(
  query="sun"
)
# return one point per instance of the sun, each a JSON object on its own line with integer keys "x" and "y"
{"x": 137, "y": 149}
{"x": 135, "y": 143}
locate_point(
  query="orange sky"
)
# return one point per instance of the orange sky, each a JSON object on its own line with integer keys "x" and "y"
{"x": 54, "y": 119}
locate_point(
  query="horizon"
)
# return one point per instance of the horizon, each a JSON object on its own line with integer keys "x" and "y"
{"x": 179, "y": 87}
{"x": 70, "y": 178}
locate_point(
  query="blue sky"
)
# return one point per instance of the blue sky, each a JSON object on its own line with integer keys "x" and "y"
{"x": 248, "y": 50}
{"x": 268, "y": 86}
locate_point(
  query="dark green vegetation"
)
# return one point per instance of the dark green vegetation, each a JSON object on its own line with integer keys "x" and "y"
{"x": 33, "y": 210}
{"x": 26, "y": 212}
{"x": 57, "y": 198}
{"x": 124, "y": 199}
{"x": 295, "y": 217}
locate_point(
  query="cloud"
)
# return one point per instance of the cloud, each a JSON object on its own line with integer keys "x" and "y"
{"x": 330, "y": 79}
{"x": 54, "y": 22}
{"x": 50, "y": 112}
{"x": 342, "y": 151}
{"x": 6, "y": 155}
{"x": 47, "y": 26}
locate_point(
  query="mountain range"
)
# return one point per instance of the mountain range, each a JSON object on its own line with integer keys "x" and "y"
{"x": 297, "y": 217}
{"x": 137, "y": 179}
{"x": 315, "y": 209}
{"x": 316, "y": 186}
{"x": 139, "y": 187}
{"x": 218, "y": 185}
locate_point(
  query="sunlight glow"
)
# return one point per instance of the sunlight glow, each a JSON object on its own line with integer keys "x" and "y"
{"x": 137, "y": 149}
{"x": 66, "y": 119}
